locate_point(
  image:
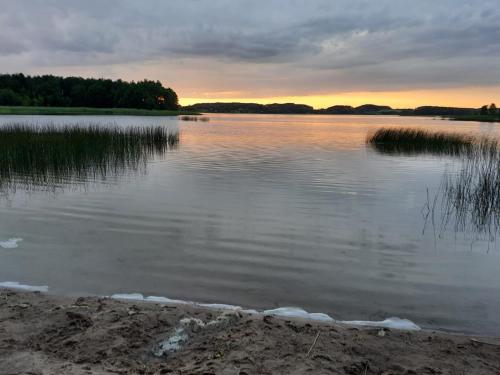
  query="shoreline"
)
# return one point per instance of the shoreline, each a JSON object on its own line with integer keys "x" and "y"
{"x": 476, "y": 118}
{"x": 88, "y": 111}
{"x": 42, "y": 333}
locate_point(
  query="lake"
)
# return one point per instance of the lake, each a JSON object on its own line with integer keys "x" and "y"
{"x": 262, "y": 211}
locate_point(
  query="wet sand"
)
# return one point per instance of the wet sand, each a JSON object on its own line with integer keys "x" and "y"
{"x": 45, "y": 334}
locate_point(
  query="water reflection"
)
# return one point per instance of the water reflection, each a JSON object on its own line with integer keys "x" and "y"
{"x": 470, "y": 197}
{"x": 263, "y": 211}
{"x": 415, "y": 150}
{"x": 45, "y": 157}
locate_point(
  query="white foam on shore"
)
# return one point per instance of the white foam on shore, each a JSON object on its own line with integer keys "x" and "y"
{"x": 296, "y": 312}
{"x": 30, "y": 288}
{"x": 11, "y": 243}
{"x": 391, "y": 323}
{"x": 140, "y": 297}
{"x": 219, "y": 306}
{"x": 166, "y": 300}
{"x": 129, "y": 296}
{"x": 284, "y": 312}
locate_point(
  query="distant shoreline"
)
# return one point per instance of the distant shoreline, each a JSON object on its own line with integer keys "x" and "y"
{"x": 478, "y": 118}
{"x": 190, "y": 110}
{"x": 88, "y": 111}
{"x": 459, "y": 114}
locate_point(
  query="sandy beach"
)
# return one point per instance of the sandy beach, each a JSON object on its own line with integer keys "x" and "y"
{"x": 45, "y": 334}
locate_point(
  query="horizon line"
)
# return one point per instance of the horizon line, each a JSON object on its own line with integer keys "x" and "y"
{"x": 266, "y": 102}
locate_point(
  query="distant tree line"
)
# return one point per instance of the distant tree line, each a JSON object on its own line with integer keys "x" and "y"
{"x": 443, "y": 111}
{"x": 53, "y": 91}
{"x": 289, "y": 108}
{"x": 366, "y": 109}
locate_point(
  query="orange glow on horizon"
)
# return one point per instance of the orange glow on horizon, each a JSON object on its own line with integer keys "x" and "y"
{"x": 460, "y": 97}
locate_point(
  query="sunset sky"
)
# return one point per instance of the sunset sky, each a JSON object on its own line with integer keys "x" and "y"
{"x": 318, "y": 52}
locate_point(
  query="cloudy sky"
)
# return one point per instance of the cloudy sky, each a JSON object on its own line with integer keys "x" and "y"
{"x": 320, "y": 52}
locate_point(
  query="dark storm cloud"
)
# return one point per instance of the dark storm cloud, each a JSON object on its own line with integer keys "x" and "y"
{"x": 350, "y": 43}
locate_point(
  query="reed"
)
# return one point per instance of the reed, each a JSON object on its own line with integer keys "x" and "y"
{"x": 47, "y": 155}
{"x": 194, "y": 118}
{"x": 471, "y": 196}
{"x": 416, "y": 141}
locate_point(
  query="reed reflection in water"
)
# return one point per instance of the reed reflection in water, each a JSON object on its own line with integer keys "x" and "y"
{"x": 47, "y": 156}
{"x": 469, "y": 196}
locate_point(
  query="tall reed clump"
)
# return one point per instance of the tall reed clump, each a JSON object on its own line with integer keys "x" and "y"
{"x": 49, "y": 154}
{"x": 415, "y": 141}
{"x": 194, "y": 118}
{"x": 470, "y": 194}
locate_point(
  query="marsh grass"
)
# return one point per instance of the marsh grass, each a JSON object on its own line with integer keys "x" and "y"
{"x": 471, "y": 196}
{"x": 412, "y": 141}
{"x": 48, "y": 155}
{"x": 194, "y": 118}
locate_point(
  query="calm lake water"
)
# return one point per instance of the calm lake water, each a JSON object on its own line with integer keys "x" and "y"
{"x": 262, "y": 211}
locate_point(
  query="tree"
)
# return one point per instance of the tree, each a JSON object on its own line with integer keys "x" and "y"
{"x": 48, "y": 90}
{"x": 9, "y": 97}
{"x": 493, "y": 109}
{"x": 484, "y": 110}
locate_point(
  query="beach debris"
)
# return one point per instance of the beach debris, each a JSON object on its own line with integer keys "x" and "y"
{"x": 172, "y": 344}
{"x": 11, "y": 243}
{"x": 188, "y": 327}
{"x": 313, "y": 344}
